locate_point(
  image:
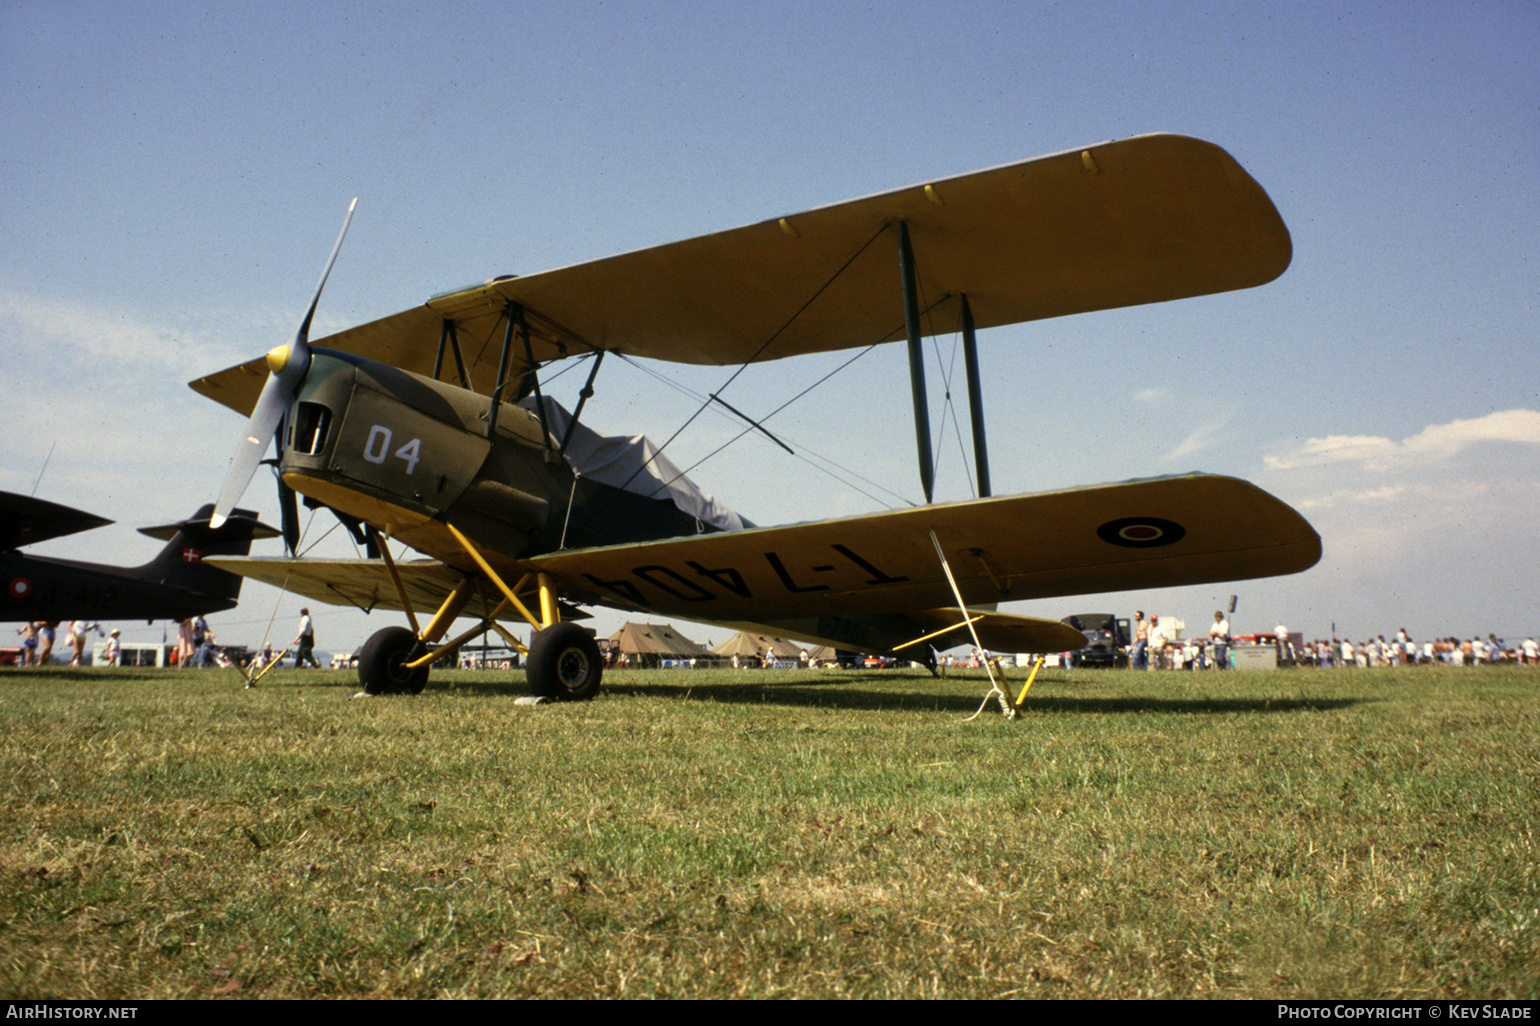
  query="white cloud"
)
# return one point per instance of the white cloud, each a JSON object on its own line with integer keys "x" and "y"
{"x": 1433, "y": 443}
{"x": 1354, "y": 497}
{"x": 1202, "y": 437}
{"x": 96, "y": 334}
{"x": 1443, "y": 440}
{"x": 1152, "y": 396}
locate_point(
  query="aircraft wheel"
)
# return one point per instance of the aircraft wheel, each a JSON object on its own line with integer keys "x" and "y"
{"x": 381, "y": 662}
{"x": 564, "y": 663}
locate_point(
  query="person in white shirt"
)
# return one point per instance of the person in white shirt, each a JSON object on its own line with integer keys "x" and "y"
{"x": 1219, "y": 637}
{"x": 306, "y": 641}
{"x": 1157, "y": 643}
{"x": 1285, "y": 650}
{"x": 77, "y": 633}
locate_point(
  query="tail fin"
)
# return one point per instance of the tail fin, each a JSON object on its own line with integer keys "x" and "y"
{"x": 180, "y": 564}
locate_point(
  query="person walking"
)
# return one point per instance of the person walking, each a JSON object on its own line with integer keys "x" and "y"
{"x": 306, "y": 641}
{"x": 1157, "y": 651}
{"x": 46, "y": 632}
{"x": 1137, "y": 657}
{"x": 203, "y": 644}
{"x": 28, "y": 634}
{"x": 77, "y": 637}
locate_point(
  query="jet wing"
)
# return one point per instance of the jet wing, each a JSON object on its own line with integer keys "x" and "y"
{"x": 27, "y": 521}
{"x": 1140, "y": 220}
{"x": 1161, "y": 532}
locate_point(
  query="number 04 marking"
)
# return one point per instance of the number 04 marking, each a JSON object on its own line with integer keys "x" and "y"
{"x": 378, "y": 446}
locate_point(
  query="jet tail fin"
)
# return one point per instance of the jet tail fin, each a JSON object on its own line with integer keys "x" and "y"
{"x": 180, "y": 564}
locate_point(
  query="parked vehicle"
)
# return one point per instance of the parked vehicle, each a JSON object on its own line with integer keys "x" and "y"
{"x": 1107, "y": 640}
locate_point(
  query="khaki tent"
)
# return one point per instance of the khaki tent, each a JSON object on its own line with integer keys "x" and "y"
{"x": 746, "y": 645}
{"x": 646, "y": 644}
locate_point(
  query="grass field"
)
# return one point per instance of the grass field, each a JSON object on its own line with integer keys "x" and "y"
{"x": 754, "y": 834}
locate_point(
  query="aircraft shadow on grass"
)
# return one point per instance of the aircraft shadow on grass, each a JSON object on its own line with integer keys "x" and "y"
{"x": 858, "y": 691}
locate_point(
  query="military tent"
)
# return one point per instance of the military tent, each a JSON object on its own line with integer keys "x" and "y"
{"x": 761, "y": 646}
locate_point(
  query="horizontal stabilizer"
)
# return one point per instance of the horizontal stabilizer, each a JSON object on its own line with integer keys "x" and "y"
{"x": 241, "y": 522}
{"x": 1001, "y": 632}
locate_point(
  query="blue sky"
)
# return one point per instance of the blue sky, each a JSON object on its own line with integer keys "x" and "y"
{"x": 174, "y": 173}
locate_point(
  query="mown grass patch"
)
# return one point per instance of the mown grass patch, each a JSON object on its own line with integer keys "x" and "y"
{"x": 722, "y": 834}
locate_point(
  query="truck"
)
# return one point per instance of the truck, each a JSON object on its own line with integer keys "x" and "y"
{"x": 1107, "y": 640}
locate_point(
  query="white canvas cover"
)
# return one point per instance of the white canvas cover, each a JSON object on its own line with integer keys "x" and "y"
{"x": 633, "y": 463}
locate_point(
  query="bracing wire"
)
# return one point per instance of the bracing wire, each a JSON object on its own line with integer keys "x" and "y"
{"x": 744, "y": 366}
{"x": 282, "y": 591}
{"x": 764, "y": 346}
{"x": 948, "y": 371}
{"x": 927, "y": 311}
{"x": 804, "y": 452}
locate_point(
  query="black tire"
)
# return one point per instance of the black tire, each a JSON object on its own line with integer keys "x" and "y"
{"x": 381, "y": 663}
{"x": 564, "y": 663}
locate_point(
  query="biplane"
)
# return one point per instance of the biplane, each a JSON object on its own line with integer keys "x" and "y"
{"x": 177, "y": 584}
{"x": 431, "y": 427}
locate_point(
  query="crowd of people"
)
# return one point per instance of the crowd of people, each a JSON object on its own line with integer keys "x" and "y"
{"x": 195, "y": 649}
{"x": 1155, "y": 648}
{"x": 38, "y": 637}
{"x": 1402, "y": 650}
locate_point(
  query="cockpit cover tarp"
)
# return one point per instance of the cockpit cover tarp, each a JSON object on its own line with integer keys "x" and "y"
{"x": 632, "y": 463}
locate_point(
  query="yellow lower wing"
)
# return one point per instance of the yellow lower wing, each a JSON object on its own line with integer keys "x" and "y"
{"x": 873, "y": 582}
{"x": 1140, "y": 534}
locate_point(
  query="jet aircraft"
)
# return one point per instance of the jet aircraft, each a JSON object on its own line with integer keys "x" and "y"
{"x": 177, "y": 584}
{"x": 431, "y": 425}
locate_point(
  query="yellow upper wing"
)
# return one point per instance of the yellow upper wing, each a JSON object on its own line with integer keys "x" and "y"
{"x": 1141, "y": 220}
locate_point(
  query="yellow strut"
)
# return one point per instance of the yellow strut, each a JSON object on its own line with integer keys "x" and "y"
{"x": 450, "y": 646}
{"x": 453, "y": 604}
{"x": 251, "y": 682}
{"x": 513, "y": 641}
{"x": 486, "y": 568}
{"x": 395, "y": 578}
{"x": 550, "y": 613}
{"x": 1030, "y": 678}
{"x": 944, "y": 630}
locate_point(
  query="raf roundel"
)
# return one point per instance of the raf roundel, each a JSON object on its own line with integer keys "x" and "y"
{"x": 19, "y": 588}
{"x": 1141, "y": 532}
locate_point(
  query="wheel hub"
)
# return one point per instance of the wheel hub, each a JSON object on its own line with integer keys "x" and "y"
{"x": 572, "y": 667}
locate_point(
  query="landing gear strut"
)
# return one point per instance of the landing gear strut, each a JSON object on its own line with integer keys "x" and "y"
{"x": 563, "y": 658}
